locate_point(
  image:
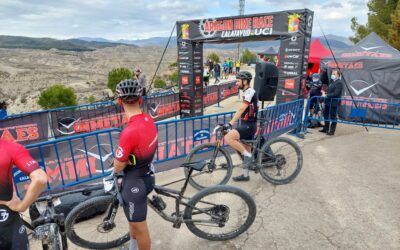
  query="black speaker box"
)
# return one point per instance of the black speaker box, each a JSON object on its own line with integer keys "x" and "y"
{"x": 266, "y": 81}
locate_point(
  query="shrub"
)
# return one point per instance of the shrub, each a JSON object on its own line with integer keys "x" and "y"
{"x": 160, "y": 83}
{"x": 57, "y": 96}
{"x": 117, "y": 75}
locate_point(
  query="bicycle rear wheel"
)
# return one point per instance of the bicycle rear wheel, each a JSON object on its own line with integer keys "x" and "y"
{"x": 280, "y": 160}
{"x": 212, "y": 174}
{"x": 220, "y": 213}
{"x": 86, "y": 225}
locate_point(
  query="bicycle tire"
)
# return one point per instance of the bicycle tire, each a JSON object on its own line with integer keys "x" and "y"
{"x": 196, "y": 150}
{"x": 201, "y": 196}
{"x": 266, "y": 171}
{"x": 76, "y": 215}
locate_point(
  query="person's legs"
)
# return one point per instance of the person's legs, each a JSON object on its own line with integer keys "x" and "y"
{"x": 140, "y": 232}
{"x": 19, "y": 236}
{"x": 326, "y": 119}
{"x": 333, "y": 117}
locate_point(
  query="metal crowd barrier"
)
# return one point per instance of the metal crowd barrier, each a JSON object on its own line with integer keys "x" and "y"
{"x": 364, "y": 112}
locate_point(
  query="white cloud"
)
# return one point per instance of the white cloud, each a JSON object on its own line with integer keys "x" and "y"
{"x": 128, "y": 19}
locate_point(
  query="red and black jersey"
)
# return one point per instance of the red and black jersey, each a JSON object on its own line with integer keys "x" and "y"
{"x": 250, "y": 98}
{"x": 138, "y": 142}
{"x": 12, "y": 153}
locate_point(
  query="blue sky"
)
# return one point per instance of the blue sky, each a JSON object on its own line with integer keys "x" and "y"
{"x": 139, "y": 19}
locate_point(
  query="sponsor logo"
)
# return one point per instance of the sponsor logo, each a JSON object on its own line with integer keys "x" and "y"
{"x": 4, "y": 215}
{"x": 183, "y": 58}
{"x": 66, "y": 125}
{"x": 293, "y": 23}
{"x": 292, "y": 50}
{"x": 205, "y": 29}
{"x": 286, "y": 56}
{"x": 184, "y": 71}
{"x": 197, "y": 80}
{"x": 103, "y": 153}
{"x": 367, "y": 54}
{"x": 289, "y": 84}
{"x": 183, "y": 52}
{"x": 185, "y": 31}
{"x": 135, "y": 190}
{"x": 345, "y": 65}
{"x": 370, "y": 48}
{"x": 290, "y": 66}
{"x": 131, "y": 210}
{"x": 185, "y": 80}
{"x": 153, "y": 108}
{"x": 309, "y": 21}
{"x": 290, "y": 73}
{"x": 21, "y": 229}
{"x": 360, "y": 86}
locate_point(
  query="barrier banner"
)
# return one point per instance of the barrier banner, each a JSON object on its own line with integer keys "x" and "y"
{"x": 162, "y": 107}
{"x": 69, "y": 162}
{"x": 26, "y": 128}
{"x": 67, "y": 122}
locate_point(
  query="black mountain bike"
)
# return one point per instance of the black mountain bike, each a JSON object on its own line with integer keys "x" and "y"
{"x": 49, "y": 226}
{"x": 216, "y": 213}
{"x": 278, "y": 160}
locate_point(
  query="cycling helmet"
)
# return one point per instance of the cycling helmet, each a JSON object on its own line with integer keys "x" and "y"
{"x": 244, "y": 75}
{"x": 129, "y": 88}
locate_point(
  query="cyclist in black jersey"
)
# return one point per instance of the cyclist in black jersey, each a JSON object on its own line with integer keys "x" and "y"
{"x": 247, "y": 113}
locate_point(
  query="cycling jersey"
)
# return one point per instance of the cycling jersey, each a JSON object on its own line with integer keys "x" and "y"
{"x": 250, "y": 97}
{"x": 137, "y": 146}
{"x": 137, "y": 143}
{"x": 12, "y": 154}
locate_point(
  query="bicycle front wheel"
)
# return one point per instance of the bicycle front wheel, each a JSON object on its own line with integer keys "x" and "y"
{"x": 280, "y": 160}
{"x": 88, "y": 224}
{"x": 220, "y": 213}
{"x": 214, "y": 173}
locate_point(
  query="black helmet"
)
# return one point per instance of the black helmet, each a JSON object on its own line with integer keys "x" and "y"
{"x": 244, "y": 75}
{"x": 129, "y": 88}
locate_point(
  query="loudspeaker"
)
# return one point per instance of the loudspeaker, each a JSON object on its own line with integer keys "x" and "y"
{"x": 266, "y": 81}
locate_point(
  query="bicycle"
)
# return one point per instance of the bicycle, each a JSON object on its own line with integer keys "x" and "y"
{"x": 201, "y": 212}
{"x": 49, "y": 226}
{"x": 267, "y": 159}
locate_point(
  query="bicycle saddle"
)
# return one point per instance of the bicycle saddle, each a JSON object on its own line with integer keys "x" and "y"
{"x": 196, "y": 165}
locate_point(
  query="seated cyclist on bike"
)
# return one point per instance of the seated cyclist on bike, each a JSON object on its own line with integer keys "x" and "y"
{"x": 134, "y": 156}
{"x": 247, "y": 113}
{"x": 12, "y": 231}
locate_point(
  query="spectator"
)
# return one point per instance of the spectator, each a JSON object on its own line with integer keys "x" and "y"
{"x": 206, "y": 75}
{"x": 217, "y": 73}
{"x": 141, "y": 79}
{"x": 3, "y": 110}
{"x": 211, "y": 68}
{"x": 315, "y": 87}
{"x": 332, "y": 102}
{"x": 237, "y": 66}
{"x": 225, "y": 66}
{"x": 230, "y": 63}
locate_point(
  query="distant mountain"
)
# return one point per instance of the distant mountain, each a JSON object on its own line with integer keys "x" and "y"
{"x": 50, "y": 43}
{"x": 336, "y": 42}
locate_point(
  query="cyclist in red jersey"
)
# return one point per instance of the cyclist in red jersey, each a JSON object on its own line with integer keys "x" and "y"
{"x": 12, "y": 231}
{"x": 137, "y": 146}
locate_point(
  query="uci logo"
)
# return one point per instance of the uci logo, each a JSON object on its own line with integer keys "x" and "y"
{"x": 3, "y": 215}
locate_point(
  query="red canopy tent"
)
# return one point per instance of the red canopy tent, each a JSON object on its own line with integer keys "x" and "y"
{"x": 317, "y": 51}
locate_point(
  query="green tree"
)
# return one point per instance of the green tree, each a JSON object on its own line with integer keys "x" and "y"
{"x": 394, "y": 30}
{"x": 248, "y": 56}
{"x": 117, "y": 75}
{"x": 160, "y": 83}
{"x": 57, "y": 96}
{"x": 213, "y": 57}
{"x": 379, "y": 20}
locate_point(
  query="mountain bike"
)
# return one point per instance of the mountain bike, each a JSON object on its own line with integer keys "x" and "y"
{"x": 215, "y": 213}
{"x": 278, "y": 160}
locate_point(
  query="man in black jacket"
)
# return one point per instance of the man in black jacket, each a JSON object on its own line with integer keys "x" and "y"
{"x": 332, "y": 102}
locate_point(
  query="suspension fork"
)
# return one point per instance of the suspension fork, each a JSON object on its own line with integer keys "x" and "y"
{"x": 217, "y": 146}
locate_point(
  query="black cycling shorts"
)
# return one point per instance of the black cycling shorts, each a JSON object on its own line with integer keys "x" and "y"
{"x": 134, "y": 193}
{"x": 247, "y": 130}
{"x": 12, "y": 231}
